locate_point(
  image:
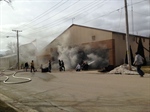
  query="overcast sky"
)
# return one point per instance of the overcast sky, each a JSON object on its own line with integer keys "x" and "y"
{"x": 45, "y": 19}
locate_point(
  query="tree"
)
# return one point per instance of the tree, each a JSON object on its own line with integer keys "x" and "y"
{"x": 8, "y": 1}
{"x": 12, "y": 47}
{"x": 140, "y": 50}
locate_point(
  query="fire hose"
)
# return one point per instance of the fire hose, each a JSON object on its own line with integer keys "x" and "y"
{"x": 14, "y": 76}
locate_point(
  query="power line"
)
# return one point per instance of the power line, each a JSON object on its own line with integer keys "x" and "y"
{"x": 55, "y": 14}
{"x": 104, "y": 15}
{"x": 137, "y": 2}
{"x": 94, "y": 18}
{"x": 71, "y": 14}
{"x": 120, "y": 20}
{"x": 46, "y": 12}
{"x": 59, "y": 21}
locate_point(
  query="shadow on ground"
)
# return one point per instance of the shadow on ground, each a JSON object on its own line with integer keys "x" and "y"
{"x": 5, "y": 108}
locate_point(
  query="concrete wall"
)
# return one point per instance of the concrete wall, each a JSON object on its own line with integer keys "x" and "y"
{"x": 4, "y": 63}
{"x": 85, "y": 35}
{"x": 120, "y": 46}
{"x": 77, "y": 35}
{"x": 105, "y": 44}
{"x": 8, "y": 62}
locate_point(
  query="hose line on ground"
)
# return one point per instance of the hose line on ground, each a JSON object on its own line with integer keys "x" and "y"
{"x": 14, "y": 76}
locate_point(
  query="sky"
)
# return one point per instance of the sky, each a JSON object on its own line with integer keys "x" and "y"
{"x": 44, "y": 20}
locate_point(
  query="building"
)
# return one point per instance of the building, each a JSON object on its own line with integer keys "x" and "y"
{"x": 27, "y": 53}
{"x": 102, "y": 46}
{"x": 8, "y": 62}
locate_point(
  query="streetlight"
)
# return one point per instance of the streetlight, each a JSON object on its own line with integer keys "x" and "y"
{"x": 10, "y": 36}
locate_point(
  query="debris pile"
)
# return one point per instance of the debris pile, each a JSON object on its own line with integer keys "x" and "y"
{"x": 123, "y": 69}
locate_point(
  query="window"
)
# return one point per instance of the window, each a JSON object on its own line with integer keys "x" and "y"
{"x": 93, "y": 38}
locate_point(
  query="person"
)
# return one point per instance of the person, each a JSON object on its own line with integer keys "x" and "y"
{"x": 43, "y": 70}
{"x": 49, "y": 66}
{"x": 26, "y": 66}
{"x": 62, "y": 65}
{"x": 78, "y": 67}
{"x": 41, "y": 67}
{"x": 138, "y": 61}
{"x": 32, "y": 66}
{"x": 85, "y": 66}
{"x": 22, "y": 66}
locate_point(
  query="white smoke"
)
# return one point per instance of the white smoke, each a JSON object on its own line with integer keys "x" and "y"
{"x": 96, "y": 57}
{"x": 95, "y": 60}
{"x": 68, "y": 55}
{"x": 92, "y": 57}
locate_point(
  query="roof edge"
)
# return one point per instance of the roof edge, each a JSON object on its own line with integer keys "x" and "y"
{"x": 96, "y": 29}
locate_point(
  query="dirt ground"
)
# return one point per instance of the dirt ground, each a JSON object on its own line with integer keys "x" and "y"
{"x": 71, "y": 91}
{"x": 5, "y": 108}
{"x": 146, "y": 69}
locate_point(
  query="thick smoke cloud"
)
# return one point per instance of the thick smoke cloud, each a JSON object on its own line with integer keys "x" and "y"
{"x": 96, "y": 58}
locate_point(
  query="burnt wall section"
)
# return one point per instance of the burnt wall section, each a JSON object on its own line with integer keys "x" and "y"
{"x": 97, "y": 54}
{"x": 108, "y": 45}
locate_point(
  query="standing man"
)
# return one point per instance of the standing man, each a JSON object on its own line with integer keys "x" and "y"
{"x": 26, "y": 66}
{"x": 32, "y": 66}
{"x": 78, "y": 67}
{"x": 138, "y": 61}
{"x": 49, "y": 66}
{"x": 62, "y": 65}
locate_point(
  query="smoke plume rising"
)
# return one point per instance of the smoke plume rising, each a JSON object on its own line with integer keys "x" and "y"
{"x": 96, "y": 58}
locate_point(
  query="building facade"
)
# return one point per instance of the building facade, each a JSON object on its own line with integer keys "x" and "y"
{"x": 108, "y": 47}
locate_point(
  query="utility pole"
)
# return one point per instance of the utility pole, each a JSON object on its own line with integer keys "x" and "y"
{"x": 17, "y": 31}
{"x": 132, "y": 18}
{"x": 127, "y": 35}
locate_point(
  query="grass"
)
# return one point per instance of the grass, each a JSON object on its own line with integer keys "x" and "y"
{"x": 146, "y": 69}
{"x": 5, "y": 108}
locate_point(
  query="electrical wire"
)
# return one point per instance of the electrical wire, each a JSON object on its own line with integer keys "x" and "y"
{"x": 56, "y": 22}
{"x": 111, "y": 12}
{"x": 59, "y": 21}
{"x": 120, "y": 20}
{"x": 55, "y": 14}
{"x": 45, "y": 13}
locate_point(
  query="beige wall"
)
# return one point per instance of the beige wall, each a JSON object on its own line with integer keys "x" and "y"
{"x": 81, "y": 35}
{"x": 78, "y": 35}
{"x": 106, "y": 44}
{"x": 4, "y": 63}
{"x": 120, "y": 46}
{"x": 62, "y": 40}
{"x": 8, "y": 62}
